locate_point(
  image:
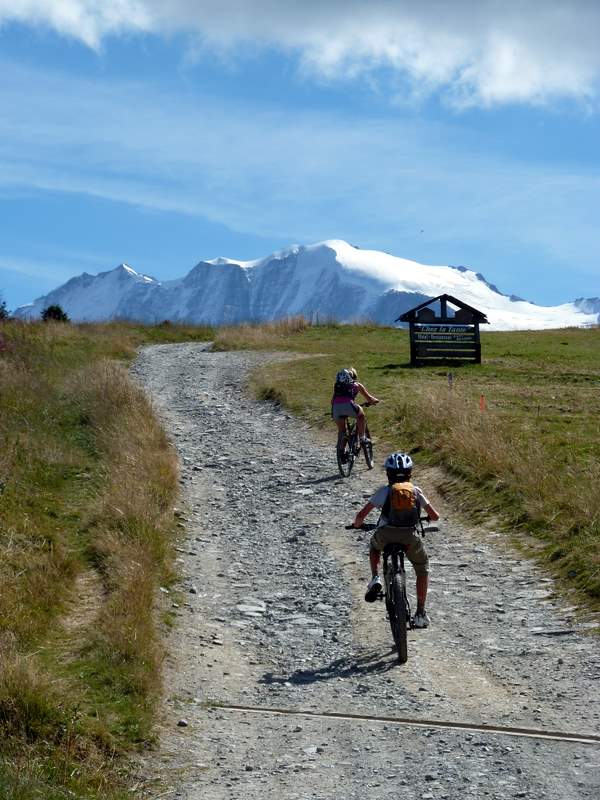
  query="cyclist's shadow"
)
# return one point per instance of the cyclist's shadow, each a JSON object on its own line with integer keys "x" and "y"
{"x": 370, "y": 663}
{"x": 315, "y": 481}
{"x": 327, "y": 479}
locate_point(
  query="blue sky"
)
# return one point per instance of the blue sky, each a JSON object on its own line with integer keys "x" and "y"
{"x": 463, "y": 133}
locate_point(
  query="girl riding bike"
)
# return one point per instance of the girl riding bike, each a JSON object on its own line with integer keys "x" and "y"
{"x": 343, "y": 403}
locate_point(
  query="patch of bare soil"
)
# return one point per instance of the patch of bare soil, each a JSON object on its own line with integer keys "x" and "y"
{"x": 88, "y": 595}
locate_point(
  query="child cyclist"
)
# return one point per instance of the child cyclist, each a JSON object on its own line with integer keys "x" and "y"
{"x": 343, "y": 402}
{"x": 401, "y": 503}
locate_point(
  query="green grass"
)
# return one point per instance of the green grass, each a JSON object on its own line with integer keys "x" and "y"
{"x": 87, "y": 487}
{"x": 531, "y": 458}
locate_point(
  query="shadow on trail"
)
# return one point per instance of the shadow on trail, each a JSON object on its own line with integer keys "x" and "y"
{"x": 292, "y": 482}
{"x": 369, "y": 664}
{"x": 327, "y": 479}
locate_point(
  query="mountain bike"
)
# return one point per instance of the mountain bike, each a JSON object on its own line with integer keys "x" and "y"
{"x": 394, "y": 591}
{"x": 349, "y": 446}
{"x": 395, "y": 594}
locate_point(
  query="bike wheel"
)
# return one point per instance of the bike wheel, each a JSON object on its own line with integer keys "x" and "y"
{"x": 345, "y": 456}
{"x": 398, "y": 617}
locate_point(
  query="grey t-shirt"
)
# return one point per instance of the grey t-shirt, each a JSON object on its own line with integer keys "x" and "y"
{"x": 381, "y": 495}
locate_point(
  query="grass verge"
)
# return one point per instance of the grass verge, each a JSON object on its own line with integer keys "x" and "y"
{"x": 529, "y": 457}
{"x": 87, "y": 487}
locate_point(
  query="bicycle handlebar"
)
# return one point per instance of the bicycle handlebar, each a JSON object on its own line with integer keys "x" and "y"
{"x": 366, "y": 526}
{"x": 369, "y": 526}
{"x": 426, "y": 526}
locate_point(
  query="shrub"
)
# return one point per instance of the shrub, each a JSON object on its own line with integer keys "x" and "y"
{"x": 54, "y": 313}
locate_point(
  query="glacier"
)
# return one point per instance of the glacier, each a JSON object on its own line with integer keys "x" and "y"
{"x": 330, "y": 280}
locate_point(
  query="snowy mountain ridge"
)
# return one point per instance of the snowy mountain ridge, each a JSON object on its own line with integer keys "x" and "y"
{"x": 327, "y": 280}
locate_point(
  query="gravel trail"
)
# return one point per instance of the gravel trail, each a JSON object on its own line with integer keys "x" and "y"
{"x": 270, "y": 614}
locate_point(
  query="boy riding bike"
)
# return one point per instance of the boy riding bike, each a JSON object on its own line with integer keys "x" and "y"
{"x": 343, "y": 402}
{"x": 401, "y": 503}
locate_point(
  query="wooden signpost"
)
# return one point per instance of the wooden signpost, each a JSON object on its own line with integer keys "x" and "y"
{"x": 443, "y": 338}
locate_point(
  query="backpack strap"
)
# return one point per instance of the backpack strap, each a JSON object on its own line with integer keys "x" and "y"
{"x": 385, "y": 509}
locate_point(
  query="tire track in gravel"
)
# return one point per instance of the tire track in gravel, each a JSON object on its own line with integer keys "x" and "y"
{"x": 271, "y": 614}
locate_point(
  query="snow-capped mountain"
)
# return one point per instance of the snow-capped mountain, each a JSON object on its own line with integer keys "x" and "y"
{"x": 328, "y": 280}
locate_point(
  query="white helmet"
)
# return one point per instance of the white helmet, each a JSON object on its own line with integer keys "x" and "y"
{"x": 398, "y": 462}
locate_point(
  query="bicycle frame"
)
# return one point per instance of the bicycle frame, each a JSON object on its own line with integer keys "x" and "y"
{"x": 350, "y": 439}
{"x": 352, "y": 435}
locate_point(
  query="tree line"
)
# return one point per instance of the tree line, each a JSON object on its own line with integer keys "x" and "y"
{"x": 52, "y": 313}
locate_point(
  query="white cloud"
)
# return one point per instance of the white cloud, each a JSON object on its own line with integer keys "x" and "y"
{"x": 482, "y": 52}
{"x": 87, "y": 20}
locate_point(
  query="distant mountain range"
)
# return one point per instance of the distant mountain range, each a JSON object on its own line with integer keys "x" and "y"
{"x": 328, "y": 280}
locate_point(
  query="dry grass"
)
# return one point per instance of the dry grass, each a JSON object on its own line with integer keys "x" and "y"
{"x": 487, "y": 445}
{"x": 536, "y": 484}
{"x": 259, "y": 335}
{"x": 131, "y": 519}
{"x": 87, "y": 487}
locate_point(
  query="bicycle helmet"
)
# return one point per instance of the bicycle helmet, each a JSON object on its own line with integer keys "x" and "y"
{"x": 398, "y": 465}
{"x": 399, "y": 462}
{"x": 344, "y": 377}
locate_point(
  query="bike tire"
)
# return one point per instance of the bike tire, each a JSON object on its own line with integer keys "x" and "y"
{"x": 398, "y": 619}
{"x": 346, "y": 455}
{"x": 368, "y": 452}
{"x": 345, "y": 460}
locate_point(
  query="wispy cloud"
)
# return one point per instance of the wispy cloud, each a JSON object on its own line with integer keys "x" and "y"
{"x": 274, "y": 173}
{"x": 475, "y": 52}
{"x": 48, "y": 272}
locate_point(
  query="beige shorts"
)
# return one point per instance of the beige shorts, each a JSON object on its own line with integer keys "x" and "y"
{"x": 413, "y": 543}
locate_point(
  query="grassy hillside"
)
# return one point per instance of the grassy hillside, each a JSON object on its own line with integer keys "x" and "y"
{"x": 87, "y": 486}
{"x": 532, "y": 455}
{"x": 88, "y": 483}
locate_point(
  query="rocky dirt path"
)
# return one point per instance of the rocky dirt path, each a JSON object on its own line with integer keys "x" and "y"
{"x": 270, "y": 614}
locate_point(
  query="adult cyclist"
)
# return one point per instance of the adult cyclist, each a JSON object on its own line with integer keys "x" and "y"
{"x": 343, "y": 402}
{"x": 398, "y": 467}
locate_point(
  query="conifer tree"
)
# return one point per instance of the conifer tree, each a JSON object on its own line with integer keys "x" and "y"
{"x": 54, "y": 313}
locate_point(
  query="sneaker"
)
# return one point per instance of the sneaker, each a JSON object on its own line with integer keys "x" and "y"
{"x": 374, "y": 589}
{"x": 421, "y": 620}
